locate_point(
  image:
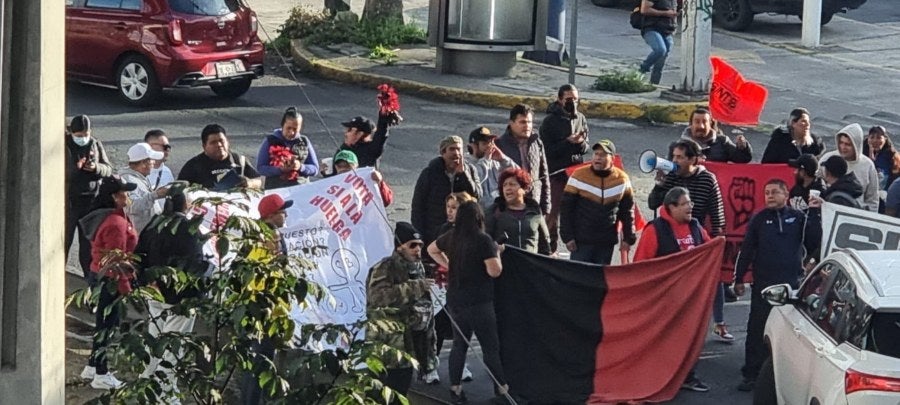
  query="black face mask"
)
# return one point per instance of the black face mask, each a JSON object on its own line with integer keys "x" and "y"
{"x": 570, "y": 106}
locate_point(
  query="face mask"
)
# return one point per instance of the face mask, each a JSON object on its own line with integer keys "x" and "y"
{"x": 570, "y": 106}
{"x": 81, "y": 140}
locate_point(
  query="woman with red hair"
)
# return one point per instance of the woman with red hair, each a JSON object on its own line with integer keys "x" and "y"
{"x": 514, "y": 218}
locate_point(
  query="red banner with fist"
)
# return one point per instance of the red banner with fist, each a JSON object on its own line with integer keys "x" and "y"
{"x": 732, "y": 99}
{"x": 743, "y": 192}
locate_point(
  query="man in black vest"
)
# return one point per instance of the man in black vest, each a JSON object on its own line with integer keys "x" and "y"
{"x": 673, "y": 231}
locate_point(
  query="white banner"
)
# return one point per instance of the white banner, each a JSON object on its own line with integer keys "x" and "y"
{"x": 340, "y": 224}
{"x": 845, "y": 227}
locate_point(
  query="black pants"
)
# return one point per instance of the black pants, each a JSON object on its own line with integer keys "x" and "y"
{"x": 482, "y": 320}
{"x": 557, "y": 186}
{"x": 105, "y": 325}
{"x": 251, "y": 393}
{"x": 755, "y": 352}
{"x": 77, "y": 208}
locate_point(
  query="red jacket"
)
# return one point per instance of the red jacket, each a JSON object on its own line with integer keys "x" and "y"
{"x": 115, "y": 232}
{"x": 647, "y": 245}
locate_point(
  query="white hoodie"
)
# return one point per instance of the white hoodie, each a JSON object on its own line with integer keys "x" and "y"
{"x": 862, "y": 167}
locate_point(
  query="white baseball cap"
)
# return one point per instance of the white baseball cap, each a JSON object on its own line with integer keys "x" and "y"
{"x": 142, "y": 151}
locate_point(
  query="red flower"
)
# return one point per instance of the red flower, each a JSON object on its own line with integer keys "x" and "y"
{"x": 281, "y": 156}
{"x": 389, "y": 103}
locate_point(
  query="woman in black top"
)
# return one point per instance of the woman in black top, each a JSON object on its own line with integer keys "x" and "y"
{"x": 792, "y": 140}
{"x": 515, "y": 218}
{"x": 472, "y": 257}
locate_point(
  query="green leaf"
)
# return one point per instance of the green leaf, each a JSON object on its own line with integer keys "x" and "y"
{"x": 222, "y": 246}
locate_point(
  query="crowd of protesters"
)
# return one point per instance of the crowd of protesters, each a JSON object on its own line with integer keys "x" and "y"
{"x": 525, "y": 188}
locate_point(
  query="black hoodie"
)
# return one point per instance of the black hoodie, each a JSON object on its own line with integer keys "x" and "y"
{"x": 80, "y": 183}
{"x": 845, "y": 191}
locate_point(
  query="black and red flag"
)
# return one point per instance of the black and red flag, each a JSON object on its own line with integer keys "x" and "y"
{"x": 572, "y": 332}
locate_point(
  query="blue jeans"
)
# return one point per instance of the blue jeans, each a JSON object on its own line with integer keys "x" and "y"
{"x": 597, "y": 254}
{"x": 719, "y": 304}
{"x": 660, "y": 45}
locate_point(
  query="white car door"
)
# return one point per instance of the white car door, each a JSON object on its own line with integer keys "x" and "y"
{"x": 794, "y": 345}
{"x": 837, "y": 319}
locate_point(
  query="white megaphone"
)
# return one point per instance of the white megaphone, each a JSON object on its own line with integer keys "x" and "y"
{"x": 650, "y": 162}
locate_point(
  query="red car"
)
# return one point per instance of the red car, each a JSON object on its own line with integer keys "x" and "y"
{"x": 143, "y": 46}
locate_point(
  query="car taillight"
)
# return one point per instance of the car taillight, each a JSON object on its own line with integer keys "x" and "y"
{"x": 856, "y": 381}
{"x": 254, "y": 23}
{"x": 175, "y": 36}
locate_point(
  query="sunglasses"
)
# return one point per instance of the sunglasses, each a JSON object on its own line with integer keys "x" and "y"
{"x": 165, "y": 146}
{"x": 416, "y": 245}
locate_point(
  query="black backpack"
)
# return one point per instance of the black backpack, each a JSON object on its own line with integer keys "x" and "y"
{"x": 636, "y": 18}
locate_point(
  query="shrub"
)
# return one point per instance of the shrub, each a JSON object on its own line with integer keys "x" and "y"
{"x": 319, "y": 29}
{"x": 281, "y": 44}
{"x": 617, "y": 81}
{"x": 383, "y": 53}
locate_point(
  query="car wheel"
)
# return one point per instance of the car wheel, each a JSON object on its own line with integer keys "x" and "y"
{"x": 764, "y": 391}
{"x": 733, "y": 15}
{"x": 137, "y": 81}
{"x": 232, "y": 89}
{"x": 605, "y": 3}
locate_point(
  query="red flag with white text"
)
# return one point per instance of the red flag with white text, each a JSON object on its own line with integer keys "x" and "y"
{"x": 732, "y": 99}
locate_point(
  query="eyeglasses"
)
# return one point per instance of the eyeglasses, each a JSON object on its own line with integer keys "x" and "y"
{"x": 165, "y": 146}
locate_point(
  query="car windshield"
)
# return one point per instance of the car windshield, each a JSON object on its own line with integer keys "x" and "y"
{"x": 204, "y": 7}
{"x": 884, "y": 334}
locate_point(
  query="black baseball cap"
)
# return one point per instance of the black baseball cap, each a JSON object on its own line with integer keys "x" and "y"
{"x": 114, "y": 184}
{"x": 361, "y": 124}
{"x": 807, "y": 162}
{"x": 481, "y": 134}
{"x": 836, "y": 166}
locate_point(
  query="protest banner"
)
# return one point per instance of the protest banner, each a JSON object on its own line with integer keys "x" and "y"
{"x": 743, "y": 193}
{"x": 339, "y": 223}
{"x": 846, "y": 227}
{"x": 572, "y": 332}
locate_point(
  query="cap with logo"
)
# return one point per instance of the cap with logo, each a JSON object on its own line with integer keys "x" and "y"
{"x": 405, "y": 232}
{"x": 481, "y": 134}
{"x": 142, "y": 151}
{"x": 271, "y": 204}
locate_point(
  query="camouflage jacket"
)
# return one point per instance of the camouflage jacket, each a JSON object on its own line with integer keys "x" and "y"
{"x": 391, "y": 285}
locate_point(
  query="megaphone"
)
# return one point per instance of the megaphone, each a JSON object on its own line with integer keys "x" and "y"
{"x": 650, "y": 162}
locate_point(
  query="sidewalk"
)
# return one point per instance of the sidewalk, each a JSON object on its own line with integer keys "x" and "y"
{"x": 846, "y": 76}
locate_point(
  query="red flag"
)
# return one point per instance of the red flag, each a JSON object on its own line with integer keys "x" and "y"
{"x": 732, "y": 99}
{"x": 654, "y": 319}
{"x": 639, "y": 221}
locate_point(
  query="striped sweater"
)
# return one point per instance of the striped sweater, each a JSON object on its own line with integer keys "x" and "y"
{"x": 705, "y": 194}
{"x": 592, "y": 203}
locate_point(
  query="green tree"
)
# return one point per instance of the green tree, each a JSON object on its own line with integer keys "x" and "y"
{"x": 383, "y": 10}
{"x": 248, "y": 300}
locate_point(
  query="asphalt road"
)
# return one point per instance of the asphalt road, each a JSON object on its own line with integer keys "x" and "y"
{"x": 876, "y": 12}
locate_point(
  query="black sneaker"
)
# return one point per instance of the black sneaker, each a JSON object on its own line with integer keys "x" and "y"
{"x": 458, "y": 399}
{"x": 747, "y": 385}
{"x": 695, "y": 385}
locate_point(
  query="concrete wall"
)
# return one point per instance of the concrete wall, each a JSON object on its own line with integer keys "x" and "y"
{"x": 32, "y": 283}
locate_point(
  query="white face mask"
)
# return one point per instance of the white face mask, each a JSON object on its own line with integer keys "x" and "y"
{"x": 81, "y": 140}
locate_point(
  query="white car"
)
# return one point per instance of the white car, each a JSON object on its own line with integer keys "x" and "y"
{"x": 837, "y": 339}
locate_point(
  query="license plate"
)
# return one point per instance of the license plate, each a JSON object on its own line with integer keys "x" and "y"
{"x": 226, "y": 69}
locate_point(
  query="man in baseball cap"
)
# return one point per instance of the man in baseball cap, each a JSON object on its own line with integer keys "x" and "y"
{"x": 363, "y": 138}
{"x": 488, "y": 161}
{"x": 272, "y": 210}
{"x": 143, "y": 199}
{"x": 805, "y": 179}
{"x": 345, "y": 161}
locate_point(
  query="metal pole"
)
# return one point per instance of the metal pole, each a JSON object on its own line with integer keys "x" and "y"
{"x": 812, "y": 23}
{"x": 573, "y": 36}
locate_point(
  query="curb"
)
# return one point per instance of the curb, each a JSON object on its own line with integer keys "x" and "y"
{"x": 658, "y": 112}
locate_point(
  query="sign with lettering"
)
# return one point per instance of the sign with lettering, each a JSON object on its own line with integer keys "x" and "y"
{"x": 846, "y": 227}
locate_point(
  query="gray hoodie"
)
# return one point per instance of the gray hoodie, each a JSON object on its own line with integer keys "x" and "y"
{"x": 143, "y": 197}
{"x": 862, "y": 167}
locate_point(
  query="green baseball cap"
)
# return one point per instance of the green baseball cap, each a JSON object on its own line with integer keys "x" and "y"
{"x": 347, "y": 156}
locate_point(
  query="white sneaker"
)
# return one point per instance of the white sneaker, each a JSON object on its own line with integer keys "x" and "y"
{"x": 88, "y": 373}
{"x": 467, "y": 374}
{"x": 106, "y": 382}
{"x": 432, "y": 377}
